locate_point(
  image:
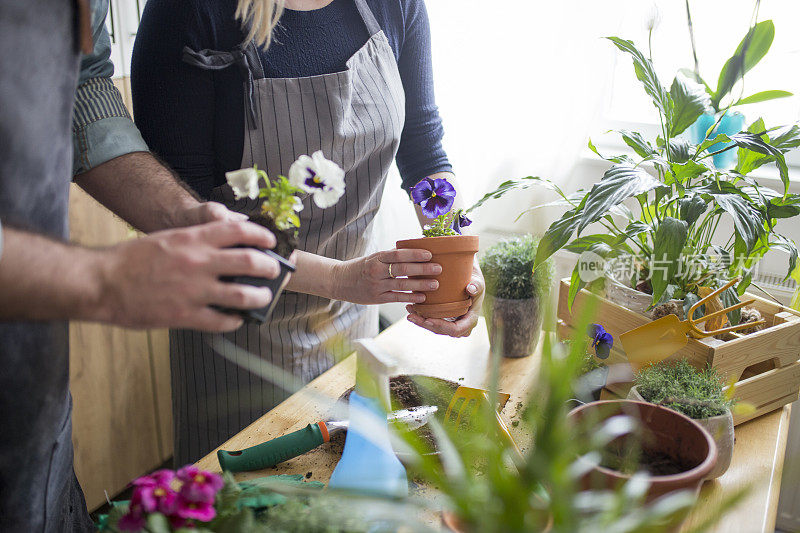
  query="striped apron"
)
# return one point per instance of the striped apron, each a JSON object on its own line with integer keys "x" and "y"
{"x": 356, "y": 118}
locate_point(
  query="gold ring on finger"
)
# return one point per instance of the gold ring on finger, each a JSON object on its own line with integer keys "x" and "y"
{"x": 390, "y": 271}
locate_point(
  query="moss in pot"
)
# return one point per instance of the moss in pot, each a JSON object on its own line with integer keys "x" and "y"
{"x": 313, "y": 176}
{"x": 515, "y": 293}
{"x": 697, "y": 394}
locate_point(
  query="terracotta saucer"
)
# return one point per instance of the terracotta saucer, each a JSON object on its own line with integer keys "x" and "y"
{"x": 445, "y": 310}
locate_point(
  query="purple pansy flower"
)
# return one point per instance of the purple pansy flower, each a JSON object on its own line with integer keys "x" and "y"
{"x": 434, "y": 196}
{"x": 602, "y": 341}
{"x": 460, "y": 220}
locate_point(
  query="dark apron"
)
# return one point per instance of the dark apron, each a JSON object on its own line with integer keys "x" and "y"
{"x": 355, "y": 117}
{"x": 38, "y": 77}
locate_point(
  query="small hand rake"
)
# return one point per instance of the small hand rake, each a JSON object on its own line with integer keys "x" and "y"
{"x": 661, "y": 338}
{"x": 466, "y": 401}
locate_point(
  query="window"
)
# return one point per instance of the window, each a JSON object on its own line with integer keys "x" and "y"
{"x": 718, "y": 29}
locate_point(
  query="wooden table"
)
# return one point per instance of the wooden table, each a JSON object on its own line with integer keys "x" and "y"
{"x": 757, "y": 455}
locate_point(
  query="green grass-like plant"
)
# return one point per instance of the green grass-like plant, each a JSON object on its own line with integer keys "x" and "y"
{"x": 508, "y": 269}
{"x": 696, "y": 393}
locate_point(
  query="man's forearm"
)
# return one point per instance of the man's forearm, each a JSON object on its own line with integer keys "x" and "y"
{"x": 141, "y": 190}
{"x": 43, "y": 279}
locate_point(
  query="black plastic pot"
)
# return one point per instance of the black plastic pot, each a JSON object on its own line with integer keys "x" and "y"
{"x": 513, "y": 325}
{"x": 259, "y": 316}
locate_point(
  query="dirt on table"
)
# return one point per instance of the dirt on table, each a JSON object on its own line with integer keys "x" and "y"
{"x": 407, "y": 392}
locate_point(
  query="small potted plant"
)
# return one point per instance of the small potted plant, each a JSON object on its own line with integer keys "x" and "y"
{"x": 696, "y": 393}
{"x": 515, "y": 294}
{"x": 450, "y": 249}
{"x": 314, "y": 176}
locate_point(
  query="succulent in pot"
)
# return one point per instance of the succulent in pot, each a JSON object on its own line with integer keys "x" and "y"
{"x": 515, "y": 294}
{"x": 699, "y": 394}
{"x": 314, "y": 176}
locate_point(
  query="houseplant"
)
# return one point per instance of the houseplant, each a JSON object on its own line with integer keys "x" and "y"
{"x": 667, "y": 246}
{"x": 450, "y": 249}
{"x": 696, "y": 393}
{"x": 721, "y": 116}
{"x": 515, "y": 294}
{"x": 593, "y": 373}
{"x": 314, "y": 176}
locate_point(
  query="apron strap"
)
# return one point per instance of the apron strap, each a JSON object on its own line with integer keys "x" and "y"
{"x": 244, "y": 58}
{"x": 369, "y": 18}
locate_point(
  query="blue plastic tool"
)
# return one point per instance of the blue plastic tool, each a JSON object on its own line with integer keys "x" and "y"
{"x": 369, "y": 464}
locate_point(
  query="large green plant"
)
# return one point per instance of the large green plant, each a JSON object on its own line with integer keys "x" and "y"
{"x": 679, "y": 199}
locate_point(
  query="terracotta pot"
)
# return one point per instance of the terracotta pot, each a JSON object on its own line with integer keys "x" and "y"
{"x": 721, "y": 429}
{"x": 456, "y": 254}
{"x": 513, "y": 325}
{"x": 663, "y": 431}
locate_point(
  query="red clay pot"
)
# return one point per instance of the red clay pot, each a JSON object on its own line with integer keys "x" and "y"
{"x": 663, "y": 430}
{"x": 456, "y": 255}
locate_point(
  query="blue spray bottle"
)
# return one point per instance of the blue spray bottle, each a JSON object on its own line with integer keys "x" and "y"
{"x": 369, "y": 464}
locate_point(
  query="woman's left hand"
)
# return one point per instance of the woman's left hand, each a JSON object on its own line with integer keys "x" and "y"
{"x": 463, "y": 325}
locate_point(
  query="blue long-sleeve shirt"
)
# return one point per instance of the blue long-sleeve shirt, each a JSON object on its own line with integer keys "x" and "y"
{"x": 195, "y": 119}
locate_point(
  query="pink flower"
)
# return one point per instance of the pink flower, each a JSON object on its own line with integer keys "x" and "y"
{"x": 199, "y": 486}
{"x": 202, "y": 511}
{"x": 153, "y": 493}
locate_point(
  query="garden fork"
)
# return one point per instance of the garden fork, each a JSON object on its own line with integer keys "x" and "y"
{"x": 661, "y": 338}
{"x": 466, "y": 401}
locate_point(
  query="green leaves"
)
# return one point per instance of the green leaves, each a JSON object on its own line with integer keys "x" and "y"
{"x": 750, "y": 51}
{"x": 619, "y": 183}
{"x": 747, "y": 221}
{"x": 646, "y": 74}
{"x": 638, "y": 143}
{"x": 691, "y": 207}
{"x": 515, "y": 184}
{"x": 668, "y": 243}
{"x": 557, "y": 235}
{"x": 763, "y": 96}
{"x": 690, "y": 100}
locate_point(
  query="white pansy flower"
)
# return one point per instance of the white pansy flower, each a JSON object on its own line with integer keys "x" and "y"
{"x": 320, "y": 177}
{"x": 244, "y": 183}
{"x": 298, "y": 205}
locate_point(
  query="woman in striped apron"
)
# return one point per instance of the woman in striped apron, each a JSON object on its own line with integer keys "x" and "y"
{"x": 332, "y": 80}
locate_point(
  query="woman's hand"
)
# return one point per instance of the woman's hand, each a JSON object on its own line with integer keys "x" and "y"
{"x": 462, "y": 326}
{"x": 382, "y": 277}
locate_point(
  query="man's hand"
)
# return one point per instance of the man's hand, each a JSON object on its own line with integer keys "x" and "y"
{"x": 462, "y": 326}
{"x": 205, "y": 212}
{"x": 170, "y": 278}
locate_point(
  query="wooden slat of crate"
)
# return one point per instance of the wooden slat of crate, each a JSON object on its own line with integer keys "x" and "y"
{"x": 768, "y": 391}
{"x": 617, "y": 320}
{"x": 772, "y": 354}
{"x": 779, "y": 342}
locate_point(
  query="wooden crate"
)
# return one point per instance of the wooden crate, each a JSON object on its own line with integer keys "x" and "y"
{"x": 764, "y": 365}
